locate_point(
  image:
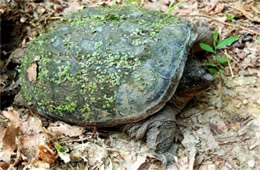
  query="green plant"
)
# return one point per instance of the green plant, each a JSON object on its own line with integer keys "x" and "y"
{"x": 217, "y": 65}
{"x": 132, "y": 2}
{"x": 231, "y": 17}
{"x": 173, "y": 6}
{"x": 61, "y": 148}
{"x": 258, "y": 4}
{"x": 258, "y": 38}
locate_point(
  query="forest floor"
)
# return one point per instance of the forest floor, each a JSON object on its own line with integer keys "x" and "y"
{"x": 221, "y": 128}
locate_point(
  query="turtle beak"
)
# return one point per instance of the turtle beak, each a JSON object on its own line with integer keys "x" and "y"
{"x": 208, "y": 78}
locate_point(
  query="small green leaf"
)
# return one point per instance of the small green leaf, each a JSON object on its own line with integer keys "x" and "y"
{"x": 206, "y": 47}
{"x": 210, "y": 64}
{"x": 173, "y": 6}
{"x": 220, "y": 71}
{"x": 227, "y": 41}
{"x": 230, "y": 17}
{"x": 61, "y": 148}
{"x": 133, "y": 2}
{"x": 215, "y": 36}
{"x": 258, "y": 4}
{"x": 258, "y": 38}
{"x": 223, "y": 59}
{"x": 213, "y": 70}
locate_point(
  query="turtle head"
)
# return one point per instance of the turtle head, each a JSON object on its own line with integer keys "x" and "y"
{"x": 204, "y": 35}
{"x": 195, "y": 80}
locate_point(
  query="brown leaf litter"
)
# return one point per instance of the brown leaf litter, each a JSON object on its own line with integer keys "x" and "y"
{"x": 20, "y": 136}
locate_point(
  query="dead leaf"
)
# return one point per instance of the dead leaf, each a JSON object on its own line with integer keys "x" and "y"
{"x": 6, "y": 154}
{"x": 219, "y": 8}
{"x": 90, "y": 152}
{"x": 32, "y": 126}
{"x": 246, "y": 11}
{"x": 182, "y": 163}
{"x": 29, "y": 145}
{"x": 73, "y": 7}
{"x": 14, "y": 56}
{"x": 9, "y": 139}
{"x": 3, "y": 78}
{"x": 38, "y": 165}
{"x": 24, "y": 134}
{"x": 191, "y": 156}
{"x": 65, "y": 129}
{"x": 186, "y": 8}
{"x": 152, "y": 5}
{"x": 32, "y": 73}
{"x": 64, "y": 156}
{"x": 2, "y": 132}
{"x": 19, "y": 100}
{"x": 13, "y": 116}
{"x": 207, "y": 165}
{"x": 4, "y": 165}
{"x": 214, "y": 129}
{"x": 212, "y": 6}
{"x": 46, "y": 154}
{"x": 138, "y": 163}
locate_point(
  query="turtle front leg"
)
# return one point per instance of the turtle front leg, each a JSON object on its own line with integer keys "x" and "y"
{"x": 159, "y": 132}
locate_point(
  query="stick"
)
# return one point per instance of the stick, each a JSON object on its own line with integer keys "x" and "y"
{"x": 225, "y": 23}
{"x": 230, "y": 69}
{"x": 229, "y": 65}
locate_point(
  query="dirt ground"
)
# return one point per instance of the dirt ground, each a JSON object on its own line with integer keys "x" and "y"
{"x": 221, "y": 128}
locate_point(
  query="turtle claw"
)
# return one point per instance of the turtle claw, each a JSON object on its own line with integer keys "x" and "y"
{"x": 137, "y": 130}
{"x": 169, "y": 157}
{"x": 178, "y": 137}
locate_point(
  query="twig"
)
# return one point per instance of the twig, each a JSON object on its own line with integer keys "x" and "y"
{"x": 54, "y": 18}
{"x": 213, "y": 6}
{"x": 255, "y": 9}
{"x": 230, "y": 69}
{"x": 78, "y": 140}
{"x": 228, "y": 55}
{"x": 229, "y": 65}
{"x": 245, "y": 13}
{"x": 225, "y": 23}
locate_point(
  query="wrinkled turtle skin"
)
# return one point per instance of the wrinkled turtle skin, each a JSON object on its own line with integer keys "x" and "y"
{"x": 107, "y": 66}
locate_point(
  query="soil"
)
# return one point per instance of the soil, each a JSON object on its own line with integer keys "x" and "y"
{"x": 12, "y": 34}
{"x": 221, "y": 128}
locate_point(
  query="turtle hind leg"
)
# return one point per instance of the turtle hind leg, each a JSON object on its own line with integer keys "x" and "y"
{"x": 136, "y": 130}
{"x": 159, "y": 132}
{"x": 161, "y": 135}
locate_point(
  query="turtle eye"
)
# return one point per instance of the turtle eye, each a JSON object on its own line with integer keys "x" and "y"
{"x": 205, "y": 67}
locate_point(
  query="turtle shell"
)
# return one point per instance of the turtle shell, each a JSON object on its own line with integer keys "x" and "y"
{"x": 106, "y": 66}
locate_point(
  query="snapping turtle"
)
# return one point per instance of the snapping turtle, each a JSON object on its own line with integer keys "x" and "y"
{"x": 106, "y": 67}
